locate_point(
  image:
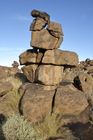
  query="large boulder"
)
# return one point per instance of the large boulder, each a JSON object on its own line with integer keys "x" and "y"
{"x": 36, "y": 103}
{"x": 59, "y": 57}
{"x": 49, "y": 75}
{"x": 69, "y": 101}
{"x": 43, "y": 39}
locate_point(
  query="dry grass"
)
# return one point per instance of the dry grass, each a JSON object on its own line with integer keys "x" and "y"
{"x": 9, "y": 103}
{"x": 48, "y": 127}
{"x": 17, "y": 128}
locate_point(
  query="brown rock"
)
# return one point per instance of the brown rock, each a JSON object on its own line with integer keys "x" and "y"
{"x": 5, "y": 88}
{"x": 15, "y": 64}
{"x": 84, "y": 82}
{"x": 55, "y": 29}
{"x": 36, "y": 102}
{"x": 43, "y": 39}
{"x": 38, "y": 24}
{"x": 43, "y": 15}
{"x": 30, "y": 56}
{"x": 29, "y": 72}
{"x": 69, "y": 101}
{"x": 59, "y": 57}
{"x": 49, "y": 75}
{"x": 8, "y": 71}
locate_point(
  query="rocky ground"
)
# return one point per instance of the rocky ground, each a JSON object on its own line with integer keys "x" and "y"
{"x": 71, "y": 100}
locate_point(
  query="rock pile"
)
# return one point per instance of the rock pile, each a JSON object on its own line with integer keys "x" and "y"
{"x": 46, "y": 66}
{"x": 45, "y": 63}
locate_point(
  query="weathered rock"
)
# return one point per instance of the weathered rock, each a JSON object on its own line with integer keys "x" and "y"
{"x": 43, "y": 39}
{"x": 43, "y": 15}
{"x": 8, "y": 71}
{"x": 49, "y": 75}
{"x": 36, "y": 102}
{"x": 30, "y": 56}
{"x": 38, "y": 24}
{"x": 59, "y": 57}
{"x": 69, "y": 101}
{"x": 15, "y": 64}
{"x": 84, "y": 82}
{"x": 5, "y": 88}
{"x": 30, "y": 71}
{"x": 55, "y": 29}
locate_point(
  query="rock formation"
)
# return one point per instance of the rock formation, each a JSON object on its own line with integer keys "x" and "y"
{"x": 45, "y": 62}
{"x": 58, "y": 83}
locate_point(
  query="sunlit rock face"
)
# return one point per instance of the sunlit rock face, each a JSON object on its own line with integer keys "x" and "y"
{"x": 58, "y": 83}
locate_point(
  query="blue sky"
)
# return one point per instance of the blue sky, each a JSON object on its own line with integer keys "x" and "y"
{"x": 75, "y": 16}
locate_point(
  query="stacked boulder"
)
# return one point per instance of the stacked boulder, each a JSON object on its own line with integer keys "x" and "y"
{"x": 45, "y": 63}
{"x": 45, "y": 66}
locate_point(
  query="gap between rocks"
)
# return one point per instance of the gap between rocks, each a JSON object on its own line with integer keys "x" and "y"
{"x": 53, "y": 101}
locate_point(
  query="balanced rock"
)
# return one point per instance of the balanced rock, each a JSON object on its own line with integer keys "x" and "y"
{"x": 40, "y": 14}
{"x": 38, "y": 24}
{"x": 30, "y": 56}
{"x": 55, "y": 29}
{"x": 43, "y": 39}
{"x": 59, "y": 57}
{"x": 49, "y": 75}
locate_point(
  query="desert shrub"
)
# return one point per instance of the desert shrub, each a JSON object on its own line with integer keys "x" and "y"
{"x": 48, "y": 127}
{"x": 11, "y": 99}
{"x": 17, "y": 128}
{"x": 16, "y": 82}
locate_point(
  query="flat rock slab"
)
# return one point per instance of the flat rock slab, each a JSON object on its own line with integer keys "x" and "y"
{"x": 59, "y": 57}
